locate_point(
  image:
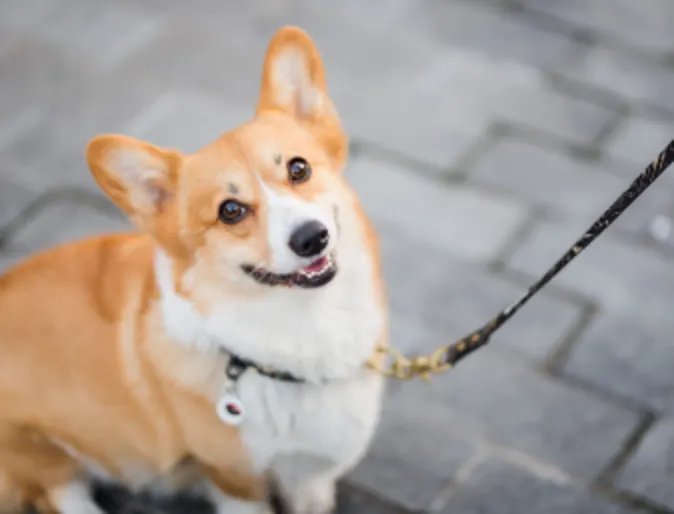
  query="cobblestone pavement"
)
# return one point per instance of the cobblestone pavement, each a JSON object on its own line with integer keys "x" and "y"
{"x": 503, "y": 128}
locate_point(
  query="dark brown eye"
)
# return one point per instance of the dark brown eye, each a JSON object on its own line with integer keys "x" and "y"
{"x": 298, "y": 170}
{"x": 232, "y": 212}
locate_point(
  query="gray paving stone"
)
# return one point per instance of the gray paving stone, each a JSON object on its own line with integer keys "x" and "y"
{"x": 493, "y": 395}
{"x": 631, "y": 76}
{"x": 10, "y": 36}
{"x": 16, "y": 126}
{"x": 650, "y": 472}
{"x": 651, "y": 215}
{"x": 415, "y": 34}
{"x": 622, "y": 277}
{"x": 572, "y": 119}
{"x": 456, "y": 218}
{"x": 50, "y": 156}
{"x": 482, "y": 29}
{"x": 36, "y": 74}
{"x": 187, "y": 120}
{"x": 26, "y": 14}
{"x": 627, "y": 356}
{"x": 399, "y": 22}
{"x": 353, "y": 501}
{"x": 548, "y": 178}
{"x": 458, "y": 95}
{"x": 411, "y": 466}
{"x": 73, "y": 95}
{"x": 638, "y": 140}
{"x": 51, "y": 148}
{"x": 63, "y": 222}
{"x": 428, "y": 288}
{"x": 429, "y": 135}
{"x": 103, "y": 33}
{"x": 497, "y": 486}
{"x": 13, "y": 196}
{"x": 204, "y": 56}
{"x": 646, "y": 24}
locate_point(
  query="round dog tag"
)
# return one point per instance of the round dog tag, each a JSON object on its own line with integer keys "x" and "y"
{"x": 230, "y": 409}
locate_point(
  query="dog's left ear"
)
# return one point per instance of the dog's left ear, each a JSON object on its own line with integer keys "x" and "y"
{"x": 293, "y": 82}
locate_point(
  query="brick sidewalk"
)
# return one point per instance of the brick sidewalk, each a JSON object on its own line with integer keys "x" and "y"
{"x": 503, "y": 128}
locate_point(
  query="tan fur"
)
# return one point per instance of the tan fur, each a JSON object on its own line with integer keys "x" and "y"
{"x": 84, "y": 357}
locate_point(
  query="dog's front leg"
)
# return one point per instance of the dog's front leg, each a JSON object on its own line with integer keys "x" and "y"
{"x": 307, "y": 484}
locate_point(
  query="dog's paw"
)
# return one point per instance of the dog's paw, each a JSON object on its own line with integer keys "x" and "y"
{"x": 317, "y": 497}
{"x": 73, "y": 498}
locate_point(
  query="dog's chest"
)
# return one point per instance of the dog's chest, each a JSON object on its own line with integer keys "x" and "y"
{"x": 335, "y": 422}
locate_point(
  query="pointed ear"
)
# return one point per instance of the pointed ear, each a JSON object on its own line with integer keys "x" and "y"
{"x": 139, "y": 177}
{"x": 293, "y": 82}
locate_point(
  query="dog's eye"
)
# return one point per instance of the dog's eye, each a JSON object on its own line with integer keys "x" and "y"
{"x": 298, "y": 170}
{"x": 232, "y": 211}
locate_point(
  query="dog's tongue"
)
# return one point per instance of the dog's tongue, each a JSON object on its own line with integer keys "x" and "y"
{"x": 316, "y": 266}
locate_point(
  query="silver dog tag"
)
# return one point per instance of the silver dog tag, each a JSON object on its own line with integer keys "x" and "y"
{"x": 230, "y": 409}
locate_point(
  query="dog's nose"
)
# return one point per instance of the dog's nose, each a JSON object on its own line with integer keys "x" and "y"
{"x": 309, "y": 239}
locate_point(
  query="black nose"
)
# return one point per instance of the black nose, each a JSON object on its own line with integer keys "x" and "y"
{"x": 309, "y": 239}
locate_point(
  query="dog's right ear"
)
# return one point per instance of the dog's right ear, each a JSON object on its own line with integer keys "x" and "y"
{"x": 139, "y": 177}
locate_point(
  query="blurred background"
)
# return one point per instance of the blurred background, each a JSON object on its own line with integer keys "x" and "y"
{"x": 486, "y": 136}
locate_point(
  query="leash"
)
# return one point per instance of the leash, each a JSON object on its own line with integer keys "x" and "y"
{"x": 446, "y": 357}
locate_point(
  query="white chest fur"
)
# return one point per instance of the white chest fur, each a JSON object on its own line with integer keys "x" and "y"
{"x": 316, "y": 334}
{"x": 334, "y": 422}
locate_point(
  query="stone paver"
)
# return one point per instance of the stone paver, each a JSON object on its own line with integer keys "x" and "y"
{"x": 439, "y": 104}
{"x": 467, "y": 214}
{"x": 497, "y": 486}
{"x": 409, "y": 467}
{"x": 13, "y": 196}
{"x": 548, "y": 178}
{"x": 646, "y": 24}
{"x": 17, "y": 13}
{"x": 163, "y": 123}
{"x": 621, "y": 277}
{"x": 355, "y": 501}
{"x": 499, "y": 398}
{"x": 630, "y": 358}
{"x": 638, "y": 140}
{"x": 630, "y": 76}
{"x": 651, "y": 471}
{"x": 58, "y": 222}
{"x": 84, "y": 30}
{"x": 482, "y": 29}
{"x": 454, "y": 218}
{"x": 432, "y": 288}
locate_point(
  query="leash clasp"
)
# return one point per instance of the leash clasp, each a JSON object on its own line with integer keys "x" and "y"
{"x": 403, "y": 368}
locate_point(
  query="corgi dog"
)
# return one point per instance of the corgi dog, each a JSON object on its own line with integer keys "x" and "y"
{"x": 224, "y": 346}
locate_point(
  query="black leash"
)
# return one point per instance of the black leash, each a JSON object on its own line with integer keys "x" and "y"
{"x": 447, "y": 356}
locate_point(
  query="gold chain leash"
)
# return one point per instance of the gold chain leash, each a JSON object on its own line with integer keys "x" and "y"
{"x": 403, "y": 368}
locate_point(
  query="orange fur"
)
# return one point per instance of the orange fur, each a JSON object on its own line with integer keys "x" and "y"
{"x": 84, "y": 357}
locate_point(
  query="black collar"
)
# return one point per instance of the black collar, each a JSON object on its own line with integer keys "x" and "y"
{"x": 237, "y": 366}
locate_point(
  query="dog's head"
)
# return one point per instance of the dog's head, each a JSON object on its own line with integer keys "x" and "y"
{"x": 261, "y": 207}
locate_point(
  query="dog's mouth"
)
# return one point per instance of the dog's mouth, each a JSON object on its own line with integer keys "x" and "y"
{"x": 317, "y": 274}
